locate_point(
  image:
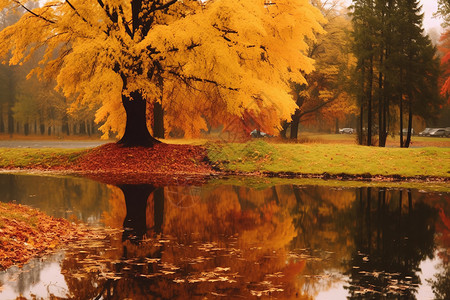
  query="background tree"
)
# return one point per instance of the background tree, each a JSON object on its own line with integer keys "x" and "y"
{"x": 397, "y": 67}
{"x": 7, "y": 82}
{"x": 123, "y": 54}
{"x": 327, "y": 83}
{"x": 29, "y": 106}
{"x": 444, "y": 11}
{"x": 417, "y": 63}
{"x": 364, "y": 39}
{"x": 444, "y": 48}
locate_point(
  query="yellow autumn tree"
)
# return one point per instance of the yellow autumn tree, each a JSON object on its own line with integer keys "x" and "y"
{"x": 326, "y": 95}
{"x": 126, "y": 54}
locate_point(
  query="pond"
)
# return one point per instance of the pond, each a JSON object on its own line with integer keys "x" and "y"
{"x": 230, "y": 239}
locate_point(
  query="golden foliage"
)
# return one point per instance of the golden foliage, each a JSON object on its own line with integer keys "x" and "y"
{"x": 242, "y": 52}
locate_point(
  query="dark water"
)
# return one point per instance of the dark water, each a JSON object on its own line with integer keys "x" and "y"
{"x": 234, "y": 241}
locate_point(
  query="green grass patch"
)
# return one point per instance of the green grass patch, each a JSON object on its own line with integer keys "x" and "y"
{"x": 331, "y": 158}
{"x": 47, "y": 157}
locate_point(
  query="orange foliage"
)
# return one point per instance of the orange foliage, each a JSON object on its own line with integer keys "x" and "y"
{"x": 27, "y": 233}
{"x": 445, "y": 62}
{"x": 444, "y": 237}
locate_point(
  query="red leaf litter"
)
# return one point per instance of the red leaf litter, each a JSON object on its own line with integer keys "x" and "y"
{"x": 163, "y": 163}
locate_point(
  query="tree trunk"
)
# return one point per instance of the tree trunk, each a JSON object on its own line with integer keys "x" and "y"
{"x": 361, "y": 125}
{"x": 284, "y": 127}
{"x": 83, "y": 127}
{"x": 65, "y": 125}
{"x": 90, "y": 127}
{"x": 10, "y": 119}
{"x": 299, "y": 100}
{"x": 410, "y": 116}
{"x": 401, "y": 122}
{"x": 401, "y": 108}
{"x": 294, "y": 125}
{"x": 158, "y": 120}
{"x": 369, "y": 103}
{"x": 26, "y": 129}
{"x": 136, "y": 131}
{"x": 158, "y": 210}
{"x": 381, "y": 115}
{"x": 136, "y": 196}
{"x": 361, "y": 102}
{"x": 2, "y": 126}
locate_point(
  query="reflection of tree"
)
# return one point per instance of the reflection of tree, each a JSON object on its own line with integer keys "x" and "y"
{"x": 242, "y": 242}
{"x": 21, "y": 280}
{"x": 441, "y": 281}
{"x": 136, "y": 196}
{"x": 210, "y": 245}
{"x": 392, "y": 238}
{"x": 323, "y": 220}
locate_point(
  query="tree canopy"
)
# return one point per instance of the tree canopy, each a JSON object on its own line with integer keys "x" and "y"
{"x": 125, "y": 54}
{"x": 397, "y": 67}
{"x": 325, "y": 97}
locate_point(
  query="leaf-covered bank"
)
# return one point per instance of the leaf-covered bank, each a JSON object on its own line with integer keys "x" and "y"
{"x": 26, "y": 233}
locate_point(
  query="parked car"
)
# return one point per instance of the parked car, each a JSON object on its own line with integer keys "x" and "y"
{"x": 259, "y": 134}
{"x": 437, "y": 132}
{"x": 425, "y": 132}
{"x": 405, "y": 131}
{"x": 346, "y": 130}
{"x": 447, "y": 131}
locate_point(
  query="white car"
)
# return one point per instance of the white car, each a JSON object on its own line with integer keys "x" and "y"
{"x": 346, "y": 130}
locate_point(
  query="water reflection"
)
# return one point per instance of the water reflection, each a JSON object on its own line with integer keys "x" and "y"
{"x": 63, "y": 197}
{"x": 286, "y": 241}
{"x": 393, "y": 236}
{"x": 37, "y": 280}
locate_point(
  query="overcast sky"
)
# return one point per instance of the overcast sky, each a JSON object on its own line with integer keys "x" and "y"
{"x": 429, "y": 7}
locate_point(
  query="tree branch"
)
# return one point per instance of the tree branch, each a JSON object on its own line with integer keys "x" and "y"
{"x": 303, "y": 113}
{"x": 76, "y": 12}
{"x": 33, "y": 13}
{"x": 186, "y": 80}
{"x": 163, "y": 6}
{"x": 114, "y": 17}
{"x": 125, "y": 24}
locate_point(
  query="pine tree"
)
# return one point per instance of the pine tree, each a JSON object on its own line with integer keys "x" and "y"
{"x": 389, "y": 41}
{"x": 416, "y": 64}
{"x": 365, "y": 48}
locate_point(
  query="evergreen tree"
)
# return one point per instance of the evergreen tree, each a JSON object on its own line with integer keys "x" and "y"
{"x": 417, "y": 64}
{"x": 389, "y": 41}
{"x": 364, "y": 48}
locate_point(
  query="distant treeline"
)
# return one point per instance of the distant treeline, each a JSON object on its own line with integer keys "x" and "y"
{"x": 34, "y": 107}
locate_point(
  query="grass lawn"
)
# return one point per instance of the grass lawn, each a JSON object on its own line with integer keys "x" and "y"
{"x": 260, "y": 156}
{"x": 331, "y": 158}
{"x": 44, "y": 157}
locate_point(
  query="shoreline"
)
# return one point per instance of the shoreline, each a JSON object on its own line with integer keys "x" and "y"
{"x": 127, "y": 177}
